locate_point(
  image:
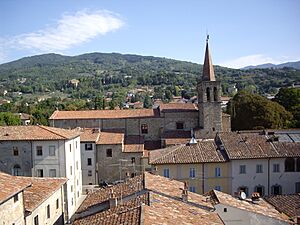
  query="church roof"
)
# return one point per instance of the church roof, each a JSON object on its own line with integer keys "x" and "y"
{"x": 208, "y": 68}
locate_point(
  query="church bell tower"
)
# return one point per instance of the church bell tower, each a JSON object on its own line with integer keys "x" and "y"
{"x": 209, "y": 99}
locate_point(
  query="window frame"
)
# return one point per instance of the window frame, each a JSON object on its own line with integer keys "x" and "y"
{"x": 48, "y": 212}
{"x": 276, "y": 168}
{"x": 259, "y": 168}
{"x": 243, "y": 169}
{"x": 15, "y": 151}
{"x": 144, "y": 128}
{"x": 52, "y": 148}
{"x": 39, "y": 150}
{"x": 166, "y": 172}
{"x": 217, "y": 172}
{"x": 89, "y": 162}
{"x": 109, "y": 153}
{"x": 51, "y": 171}
{"x": 40, "y": 173}
{"x": 192, "y": 172}
{"x": 88, "y": 147}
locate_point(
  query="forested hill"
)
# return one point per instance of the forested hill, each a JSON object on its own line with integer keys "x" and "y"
{"x": 98, "y": 71}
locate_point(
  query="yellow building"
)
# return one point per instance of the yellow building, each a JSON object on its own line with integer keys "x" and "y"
{"x": 202, "y": 165}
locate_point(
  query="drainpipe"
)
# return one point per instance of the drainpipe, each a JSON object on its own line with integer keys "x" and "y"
{"x": 268, "y": 176}
{"x": 203, "y": 178}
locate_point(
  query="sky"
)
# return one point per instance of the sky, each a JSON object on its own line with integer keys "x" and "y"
{"x": 241, "y": 32}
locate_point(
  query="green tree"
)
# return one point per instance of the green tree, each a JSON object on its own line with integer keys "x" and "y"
{"x": 147, "y": 102}
{"x": 250, "y": 111}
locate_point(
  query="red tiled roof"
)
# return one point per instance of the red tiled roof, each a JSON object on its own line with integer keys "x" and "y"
{"x": 104, "y": 114}
{"x": 287, "y": 204}
{"x": 203, "y": 151}
{"x": 10, "y": 185}
{"x": 112, "y": 137}
{"x": 89, "y": 135}
{"x": 134, "y": 143}
{"x": 40, "y": 190}
{"x": 178, "y": 107}
{"x": 243, "y": 145}
{"x": 131, "y": 186}
{"x": 261, "y": 207}
{"x": 12, "y": 133}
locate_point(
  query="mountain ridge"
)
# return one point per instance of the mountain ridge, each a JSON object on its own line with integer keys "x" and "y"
{"x": 295, "y": 65}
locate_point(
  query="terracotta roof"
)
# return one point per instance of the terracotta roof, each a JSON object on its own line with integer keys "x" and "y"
{"x": 10, "y": 185}
{"x": 134, "y": 143}
{"x": 261, "y": 207}
{"x": 131, "y": 186}
{"x": 112, "y": 137}
{"x": 178, "y": 107}
{"x": 89, "y": 135}
{"x": 176, "y": 137}
{"x": 243, "y": 145}
{"x": 208, "y": 73}
{"x": 104, "y": 114}
{"x": 128, "y": 212}
{"x": 203, "y": 151}
{"x": 12, "y": 133}
{"x": 40, "y": 190}
{"x": 287, "y": 204}
{"x": 166, "y": 205}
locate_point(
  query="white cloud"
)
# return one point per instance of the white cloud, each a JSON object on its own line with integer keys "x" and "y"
{"x": 70, "y": 30}
{"x": 250, "y": 60}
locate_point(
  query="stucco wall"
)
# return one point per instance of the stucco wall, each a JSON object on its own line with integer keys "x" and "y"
{"x": 12, "y": 212}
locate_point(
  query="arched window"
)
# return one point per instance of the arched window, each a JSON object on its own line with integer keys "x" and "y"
{"x": 298, "y": 164}
{"x": 17, "y": 170}
{"x": 208, "y": 94}
{"x": 289, "y": 165}
{"x": 215, "y": 94}
{"x": 276, "y": 189}
{"x": 260, "y": 189}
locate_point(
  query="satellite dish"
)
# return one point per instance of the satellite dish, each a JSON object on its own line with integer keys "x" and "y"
{"x": 242, "y": 195}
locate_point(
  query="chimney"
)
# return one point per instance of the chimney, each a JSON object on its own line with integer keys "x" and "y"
{"x": 185, "y": 192}
{"x": 113, "y": 202}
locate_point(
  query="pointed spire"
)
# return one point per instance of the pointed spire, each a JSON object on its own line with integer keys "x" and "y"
{"x": 208, "y": 68}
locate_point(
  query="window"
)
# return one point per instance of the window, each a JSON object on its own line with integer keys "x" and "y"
{"x": 76, "y": 165}
{"x": 88, "y": 147}
{"x": 51, "y": 150}
{"x": 48, "y": 211}
{"x": 72, "y": 201}
{"x": 208, "y": 94}
{"x": 179, "y": 125}
{"x": 76, "y": 144}
{"x": 166, "y": 173}
{"x": 225, "y": 210}
{"x": 217, "y": 172}
{"x": 215, "y": 94}
{"x": 144, "y": 128}
{"x": 89, "y": 161}
{"x": 289, "y": 165}
{"x": 70, "y": 147}
{"x": 16, "y": 197}
{"x": 36, "y": 220}
{"x": 276, "y": 168}
{"x": 259, "y": 168}
{"x": 243, "y": 189}
{"x": 57, "y": 203}
{"x": 218, "y": 188}
{"x": 298, "y": 164}
{"x": 17, "y": 170}
{"x": 276, "y": 189}
{"x": 39, "y": 150}
{"x": 15, "y": 151}
{"x": 71, "y": 188}
{"x": 40, "y": 173}
{"x": 89, "y": 173}
{"x": 71, "y": 170}
{"x": 132, "y": 160}
{"x": 192, "y": 172}
{"x": 297, "y": 187}
{"x": 242, "y": 169}
{"x": 52, "y": 173}
{"x": 260, "y": 189}
{"x": 78, "y": 194}
{"x": 109, "y": 152}
{"x": 192, "y": 189}
{"x": 77, "y": 182}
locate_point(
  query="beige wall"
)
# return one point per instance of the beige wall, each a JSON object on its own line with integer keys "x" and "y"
{"x": 41, "y": 210}
{"x": 12, "y": 212}
{"x": 211, "y": 180}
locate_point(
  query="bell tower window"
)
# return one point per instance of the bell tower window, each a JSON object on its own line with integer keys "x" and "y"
{"x": 215, "y": 94}
{"x": 208, "y": 94}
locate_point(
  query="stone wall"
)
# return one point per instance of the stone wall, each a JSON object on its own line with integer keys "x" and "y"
{"x": 12, "y": 212}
